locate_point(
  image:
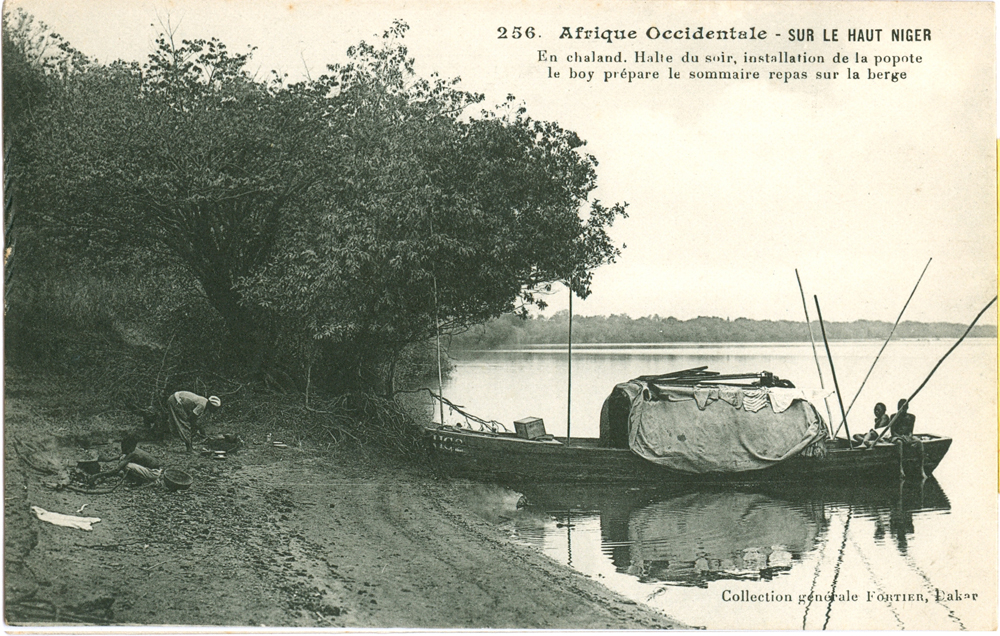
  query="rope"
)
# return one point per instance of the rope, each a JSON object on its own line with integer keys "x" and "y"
{"x": 491, "y": 425}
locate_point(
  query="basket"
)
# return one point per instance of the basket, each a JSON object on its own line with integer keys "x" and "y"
{"x": 175, "y": 479}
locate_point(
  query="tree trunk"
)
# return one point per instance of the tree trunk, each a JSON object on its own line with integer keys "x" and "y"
{"x": 248, "y": 340}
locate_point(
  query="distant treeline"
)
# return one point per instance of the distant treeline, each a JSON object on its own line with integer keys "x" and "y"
{"x": 510, "y": 330}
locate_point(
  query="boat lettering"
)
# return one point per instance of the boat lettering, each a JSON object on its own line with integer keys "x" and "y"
{"x": 448, "y": 443}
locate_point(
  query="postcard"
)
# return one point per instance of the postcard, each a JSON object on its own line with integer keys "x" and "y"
{"x": 500, "y": 315}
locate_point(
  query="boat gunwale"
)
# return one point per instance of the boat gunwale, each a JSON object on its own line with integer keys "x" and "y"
{"x": 491, "y": 456}
{"x": 592, "y": 443}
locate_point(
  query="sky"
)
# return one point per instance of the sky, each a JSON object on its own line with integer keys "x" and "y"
{"x": 731, "y": 186}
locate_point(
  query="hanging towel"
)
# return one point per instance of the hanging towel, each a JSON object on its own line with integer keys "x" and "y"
{"x": 754, "y": 399}
{"x": 734, "y": 397}
{"x": 704, "y": 397}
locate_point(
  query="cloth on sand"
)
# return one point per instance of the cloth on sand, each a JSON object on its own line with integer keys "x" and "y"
{"x": 184, "y": 410}
{"x": 69, "y": 521}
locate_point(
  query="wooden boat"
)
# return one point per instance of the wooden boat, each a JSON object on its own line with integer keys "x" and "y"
{"x": 670, "y": 401}
{"x": 506, "y": 458}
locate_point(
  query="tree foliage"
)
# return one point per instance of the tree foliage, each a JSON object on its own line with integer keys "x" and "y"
{"x": 187, "y": 158}
{"x": 37, "y": 63}
{"x": 335, "y": 220}
{"x": 438, "y": 221}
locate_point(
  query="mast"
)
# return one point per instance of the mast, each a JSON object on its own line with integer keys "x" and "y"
{"x": 892, "y": 331}
{"x": 833, "y": 372}
{"x": 437, "y": 333}
{"x": 569, "y": 365}
{"x": 812, "y": 341}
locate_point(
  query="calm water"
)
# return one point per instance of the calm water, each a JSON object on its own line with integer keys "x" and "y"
{"x": 889, "y": 553}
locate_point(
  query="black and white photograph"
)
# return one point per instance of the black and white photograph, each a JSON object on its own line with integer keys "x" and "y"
{"x": 331, "y": 315}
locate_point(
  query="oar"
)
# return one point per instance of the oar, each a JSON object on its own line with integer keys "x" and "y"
{"x": 674, "y": 374}
{"x": 898, "y": 318}
{"x": 833, "y": 372}
{"x": 812, "y": 341}
{"x": 922, "y": 384}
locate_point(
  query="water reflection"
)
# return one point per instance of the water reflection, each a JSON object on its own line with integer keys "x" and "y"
{"x": 873, "y": 539}
{"x": 694, "y": 537}
{"x": 699, "y": 537}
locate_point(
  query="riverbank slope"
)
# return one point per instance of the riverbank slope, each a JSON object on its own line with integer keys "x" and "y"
{"x": 299, "y": 536}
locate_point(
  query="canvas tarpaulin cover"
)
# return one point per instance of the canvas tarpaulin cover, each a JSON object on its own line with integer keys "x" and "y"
{"x": 719, "y": 429}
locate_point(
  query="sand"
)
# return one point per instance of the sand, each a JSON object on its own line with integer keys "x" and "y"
{"x": 308, "y": 535}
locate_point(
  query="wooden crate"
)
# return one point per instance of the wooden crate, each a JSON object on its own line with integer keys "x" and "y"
{"x": 530, "y": 427}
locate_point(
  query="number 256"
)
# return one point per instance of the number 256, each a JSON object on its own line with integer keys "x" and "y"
{"x": 515, "y": 33}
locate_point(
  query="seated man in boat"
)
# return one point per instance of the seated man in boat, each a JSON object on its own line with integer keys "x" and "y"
{"x": 881, "y": 421}
{"x": 902, "y": 434}
{"x": 902, "y": 422}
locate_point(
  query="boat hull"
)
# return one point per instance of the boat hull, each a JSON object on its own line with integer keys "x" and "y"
{"x": 505, "y": 458}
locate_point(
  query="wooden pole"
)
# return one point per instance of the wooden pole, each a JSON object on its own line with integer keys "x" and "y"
{"x": 898, "y": 318}
{"x": 922, "y": 384}
{"x": 437, "y": 332}
{"x": 819, "y": 371}
{"x": 437, "y": 335}
{"x": 833, "y": 372}
{"x": 569, "y": 366}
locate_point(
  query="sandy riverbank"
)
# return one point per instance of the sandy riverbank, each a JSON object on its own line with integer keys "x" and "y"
{"x": 300, "y": 536}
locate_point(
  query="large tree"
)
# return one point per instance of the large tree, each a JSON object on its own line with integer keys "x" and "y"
{"x": 187, "y": 158}
{"x": 438, "y": 221}
{"x": 37, "y": 65}
{"x": 341, "y": 218}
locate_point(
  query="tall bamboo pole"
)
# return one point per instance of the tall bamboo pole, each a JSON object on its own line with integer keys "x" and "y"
{"x": 833, "y": 372}
{"x": 437, "y": 334}
{"x": 922, "y": 384}
{"x": 819, "y": 370}
{"x": 879, "y": 354}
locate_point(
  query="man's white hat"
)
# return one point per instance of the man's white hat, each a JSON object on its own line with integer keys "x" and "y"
{"x": 215, "y": 402}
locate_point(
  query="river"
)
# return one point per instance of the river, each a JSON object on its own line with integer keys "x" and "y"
{"x": 864, "y": 556}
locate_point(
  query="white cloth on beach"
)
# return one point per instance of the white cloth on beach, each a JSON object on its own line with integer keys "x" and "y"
{"x": 68, "y": 521}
